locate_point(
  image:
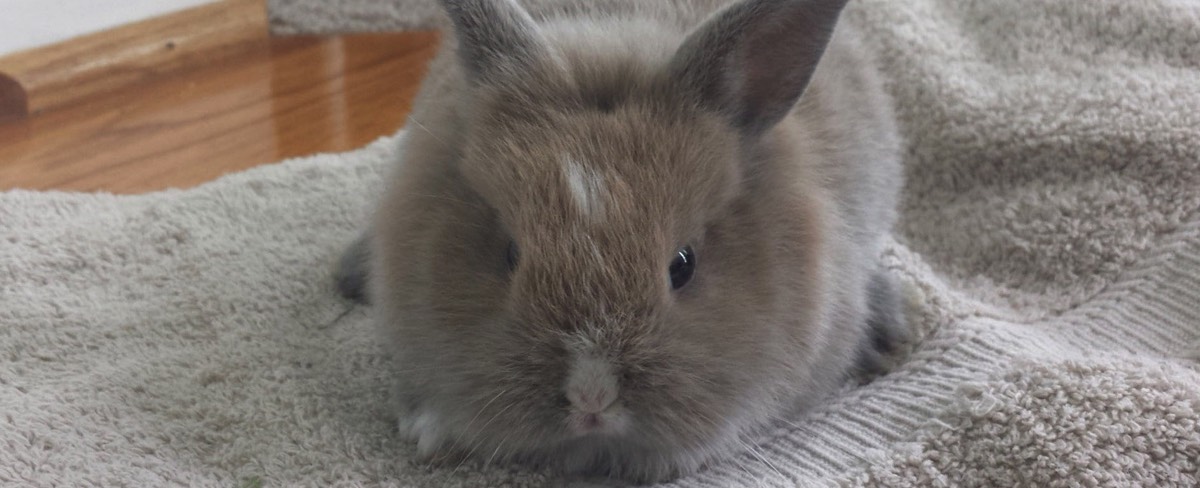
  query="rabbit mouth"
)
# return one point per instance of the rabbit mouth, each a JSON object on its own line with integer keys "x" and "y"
{"x": 612, "y": 421}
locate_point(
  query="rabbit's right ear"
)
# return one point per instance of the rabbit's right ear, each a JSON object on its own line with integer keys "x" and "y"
{"x": 495, "y": 38}
{"x": 755, "y": 58}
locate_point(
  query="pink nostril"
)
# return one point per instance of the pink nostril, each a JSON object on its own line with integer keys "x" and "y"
{"x": 593, "y": 401}
{"x": 590, "y": 385}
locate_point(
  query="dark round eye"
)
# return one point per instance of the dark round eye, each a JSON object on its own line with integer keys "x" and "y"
{"x": 682, "y": 267}
{"x": 511, "y": 255}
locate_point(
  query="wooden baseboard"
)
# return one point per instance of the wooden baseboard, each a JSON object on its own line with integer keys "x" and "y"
{"x": 13, "y": 101}
{"x": 52, "y": 76}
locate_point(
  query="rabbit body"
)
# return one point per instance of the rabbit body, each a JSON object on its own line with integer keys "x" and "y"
{"x": 523, "y": 261}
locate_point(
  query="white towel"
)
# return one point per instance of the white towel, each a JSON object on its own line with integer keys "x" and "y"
{"x": 1049, "y": 243}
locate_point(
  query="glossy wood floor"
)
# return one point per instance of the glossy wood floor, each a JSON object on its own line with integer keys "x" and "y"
{"x": 279, "y": 98}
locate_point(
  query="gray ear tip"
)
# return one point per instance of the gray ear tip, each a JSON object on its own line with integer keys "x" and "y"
{"x": 781, "y": 40}
{"x": 459, "y": 8}
{"x": 455, "y": 8}
{"x": 493, "y": 36}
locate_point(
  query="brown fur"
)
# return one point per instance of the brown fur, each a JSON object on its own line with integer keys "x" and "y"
{"x": 785, "y": 217}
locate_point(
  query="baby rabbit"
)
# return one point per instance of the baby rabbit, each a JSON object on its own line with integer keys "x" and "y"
{"x": 625, "y": 236}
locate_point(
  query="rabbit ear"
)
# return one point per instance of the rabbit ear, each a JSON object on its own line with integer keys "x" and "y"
{"x": 494, "y": 37}
{"x": 753, "y": 60}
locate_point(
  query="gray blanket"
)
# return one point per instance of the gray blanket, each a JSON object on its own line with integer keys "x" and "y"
{"x": 1050, "y": 247}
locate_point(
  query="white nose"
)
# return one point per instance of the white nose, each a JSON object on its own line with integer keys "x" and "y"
{"x": 591, "y": 386}
{"x": 594, "y": 401}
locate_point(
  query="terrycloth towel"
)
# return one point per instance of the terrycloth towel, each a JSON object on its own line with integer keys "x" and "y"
{"x": 1050, "y": 246}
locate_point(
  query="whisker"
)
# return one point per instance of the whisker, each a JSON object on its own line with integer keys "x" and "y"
{"x": 463, "y": 369}
{"x": 480, "y": 441}
{"x": 418, "y": 123}
{"x": 754, "y": 452}
{"x": 478, "y": 413}
{"x": 497, "y": 450}
{"x": 785, "y": 421}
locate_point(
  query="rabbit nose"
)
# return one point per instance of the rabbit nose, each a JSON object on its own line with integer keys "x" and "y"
{"x": 594, "y": 401}
{"x": 591, "y": 386}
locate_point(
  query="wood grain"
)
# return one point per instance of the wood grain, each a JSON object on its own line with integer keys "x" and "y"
{"x": 269, "y": 99}
{"x": 13, "y": 101}
{"x": 74, "y": 70}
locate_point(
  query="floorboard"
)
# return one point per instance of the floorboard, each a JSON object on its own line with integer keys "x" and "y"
{"x": 276, "y": 98}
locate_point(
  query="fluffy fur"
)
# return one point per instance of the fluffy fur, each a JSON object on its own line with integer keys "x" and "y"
{"x": 755, "y": 133}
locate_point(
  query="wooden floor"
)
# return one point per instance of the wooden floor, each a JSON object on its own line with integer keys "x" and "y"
{"x": 277, "y": 98}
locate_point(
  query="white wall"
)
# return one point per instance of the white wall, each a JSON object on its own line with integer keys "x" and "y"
{"x": 26, "y": 24}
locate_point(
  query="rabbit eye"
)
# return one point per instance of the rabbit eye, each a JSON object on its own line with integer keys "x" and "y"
{"x": 682, "y": 267}
{"x": 511, "y": 255}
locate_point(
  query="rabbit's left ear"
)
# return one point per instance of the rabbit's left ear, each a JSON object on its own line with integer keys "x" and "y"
{"x": 753, "y": 60}
{"x": 495, "y": 38}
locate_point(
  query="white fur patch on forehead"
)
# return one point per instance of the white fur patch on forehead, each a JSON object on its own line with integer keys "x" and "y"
{"x": 587, "y": 188}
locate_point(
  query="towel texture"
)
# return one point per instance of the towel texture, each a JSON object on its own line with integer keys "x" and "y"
{"x": 1049, "y": 246}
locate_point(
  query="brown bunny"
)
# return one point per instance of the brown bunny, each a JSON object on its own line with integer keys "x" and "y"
{"x": 625, "y": 235}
